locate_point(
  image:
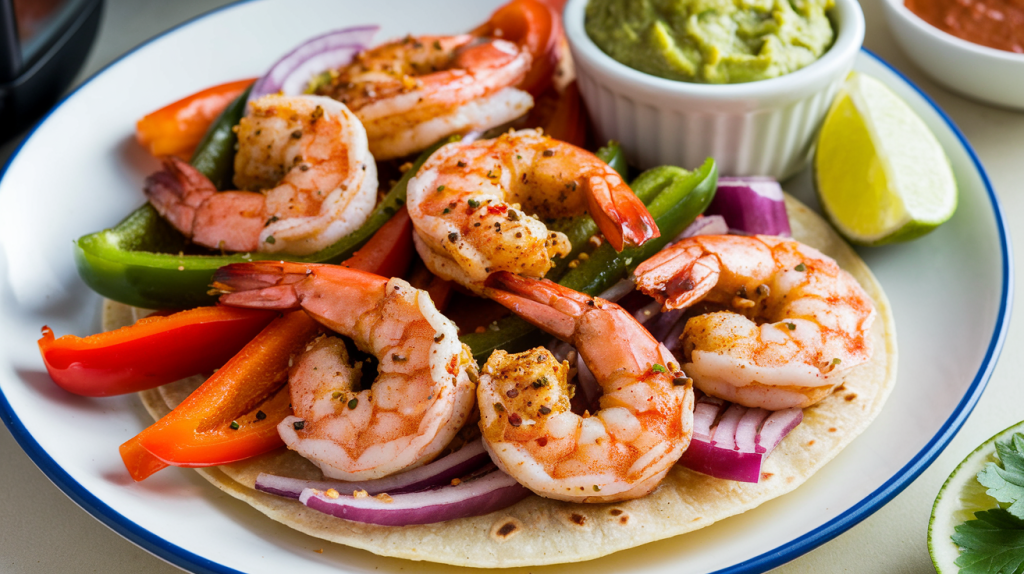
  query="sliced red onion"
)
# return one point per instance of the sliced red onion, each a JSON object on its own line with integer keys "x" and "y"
{"x": 776, "y": 427}
{"x": 735, "y": 447}
{"x": 647, "y": 312}
{"x": 292, "y": 73}
{"x": 440, "y": 472}
{"x": 492, "y": 492}
{"x": 662, "y": 324}
{"x": 705, "y": 225}
{"x": 618, "y": 291}
{"x": 587, "y": 383}
{"x": 751, "y": 205}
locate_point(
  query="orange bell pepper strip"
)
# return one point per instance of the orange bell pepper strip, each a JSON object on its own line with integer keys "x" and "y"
{"x": 154, "y": 351}
{"x": 177, "y": 129}
{"x": 235, "y": 413}
{"x": 535, "y": 26}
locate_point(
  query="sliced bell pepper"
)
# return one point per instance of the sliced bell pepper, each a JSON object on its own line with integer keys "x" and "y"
{"x": 176, "y": 129}
{"x": 235, "y": 413}
{"x": 152, "y": 352}
{"x": 145, "y": 262}
{"x": 536, "y": 27}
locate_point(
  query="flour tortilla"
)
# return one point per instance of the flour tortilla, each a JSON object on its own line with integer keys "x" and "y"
{"x": 539, "y": 531}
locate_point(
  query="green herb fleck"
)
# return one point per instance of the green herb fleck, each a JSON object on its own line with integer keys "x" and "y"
{"x": 499, "y": 407}
{"x": 353, "y": 404}
{"x": 271, "y": 240}
{"x": 473, "y": 203}
{"x": 800, "y": 267}
{"x": 658, "y": 368}
{"x": 440, "y": 188}
{"x": 234, "y": 425}
{"x": 597, "y": 488}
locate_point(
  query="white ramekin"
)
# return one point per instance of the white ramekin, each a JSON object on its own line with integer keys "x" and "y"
{"x": 755, "y": 128}
{"x": 978, "y": 72}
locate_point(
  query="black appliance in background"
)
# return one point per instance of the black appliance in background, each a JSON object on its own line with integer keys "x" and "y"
{"x": 43, "y": 43}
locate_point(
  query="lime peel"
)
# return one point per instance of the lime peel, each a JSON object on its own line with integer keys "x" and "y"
{"x": 960, "y": 497}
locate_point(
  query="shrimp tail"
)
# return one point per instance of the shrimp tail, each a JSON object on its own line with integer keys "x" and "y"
{"x": 541, "y": 302}
{"x": 177, "y": 191}
{"x": 619, "y": 214}
{"x": 678, "y": 278}
{"x": 261, "y": 285}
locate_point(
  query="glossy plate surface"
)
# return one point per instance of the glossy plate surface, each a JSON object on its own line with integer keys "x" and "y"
{"x": 81, "y": 171}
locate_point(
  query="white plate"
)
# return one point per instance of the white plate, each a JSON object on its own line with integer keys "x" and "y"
{"x": 80, "y": 171}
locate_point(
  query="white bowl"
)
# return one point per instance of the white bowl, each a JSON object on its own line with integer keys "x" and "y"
{"x": 755, "y": 128}
{"x": 978, "y": 72}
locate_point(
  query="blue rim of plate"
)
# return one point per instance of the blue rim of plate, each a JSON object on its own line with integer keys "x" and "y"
{"x": 185, "y": 559}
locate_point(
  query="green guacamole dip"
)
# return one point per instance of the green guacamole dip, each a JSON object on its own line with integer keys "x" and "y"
{"x": 712, "y": 41}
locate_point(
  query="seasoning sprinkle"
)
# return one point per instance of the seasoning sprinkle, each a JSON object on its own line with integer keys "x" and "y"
{"x": 446, "y": 211}
{"x": 440, "y": 188}
{"x": 515, "y": 420}
{"x": 332, "y": 493}
{"x": 499, "y": 407}
{"x": 544, "y": 409}
{"x": 791, "y": 326}
{"x": 234, "y": 425}
{"x": 271, "y": 240}
{"x": 353, "y": 404}
{"x": 439, "y": 337}
{"x": 460, "y": 163}
{"x": 800, "y": 267}
{"x": 398, "y": 358}
{"x": 260, "y": 415}
{"x": 680, "y": 381}
{"x": 473, "y": 203}
{"x": 548, "y": 153}
{"x": 597, "y": 488}
{"x": 453, "y": 237}
{"x": 541, "y": 382}
{"x": 299, "y": 425}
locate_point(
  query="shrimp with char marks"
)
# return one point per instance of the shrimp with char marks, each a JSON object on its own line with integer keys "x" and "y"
{"x": 413, "y": 92}
{"x": 793, "y": 324}
{"x": 478, "y": 207}
{"x": 424, "y": 390}
{"x": 308, "y": 174}
{"x": 645, "y": 420}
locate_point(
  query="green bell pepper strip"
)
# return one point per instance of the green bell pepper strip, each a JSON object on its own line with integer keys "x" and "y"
{"x": 142, "y": 261}
{"x": 679, "y": 197}
{"x": 215, "y": 155}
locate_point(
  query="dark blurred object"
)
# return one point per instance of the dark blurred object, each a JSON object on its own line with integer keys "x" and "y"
{"x": 43, "y": 43}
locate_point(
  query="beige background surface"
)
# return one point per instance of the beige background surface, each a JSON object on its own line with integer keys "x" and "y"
{"x": 43, "y": 532}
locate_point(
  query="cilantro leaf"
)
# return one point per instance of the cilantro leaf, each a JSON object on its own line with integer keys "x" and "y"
{"x": 991, "y": 543}
{"x": 1006, "y": 483}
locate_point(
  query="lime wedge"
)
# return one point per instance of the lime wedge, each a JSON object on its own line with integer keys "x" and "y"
{"x": 959, "y": 498}
{"x": 881, "y": 175}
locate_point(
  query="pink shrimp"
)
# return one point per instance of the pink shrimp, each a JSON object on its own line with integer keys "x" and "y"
{"x": 478, "y": 207}
{"x": 793, "y": 323}
{"x": 309, "y": 174}
{"x": 646, "y": 417}
{"x": 421, "y": 397}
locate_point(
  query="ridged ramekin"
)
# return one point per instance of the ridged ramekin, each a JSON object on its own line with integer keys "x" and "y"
{"x": 755, "y": 128}
{"x": 985, "y": 74}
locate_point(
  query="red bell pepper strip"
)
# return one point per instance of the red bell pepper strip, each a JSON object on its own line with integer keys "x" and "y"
{"x": 221, "y": 422}
{"x": 536, "y": 27}
{"x": 568, "y": 122}
{"x": 177, "y": 129}
{"x": 154, "y": 351}
{"x": 389, "y": 252}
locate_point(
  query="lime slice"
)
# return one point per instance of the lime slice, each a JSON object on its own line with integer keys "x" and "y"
{"x": 881, "y": 174}
{"x": 959, "y": 498}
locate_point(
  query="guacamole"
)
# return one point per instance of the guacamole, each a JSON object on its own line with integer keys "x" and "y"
{"x": 712, "y": 41}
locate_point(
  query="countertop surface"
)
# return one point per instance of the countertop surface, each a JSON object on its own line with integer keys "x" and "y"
{"x": 42, "y": 531}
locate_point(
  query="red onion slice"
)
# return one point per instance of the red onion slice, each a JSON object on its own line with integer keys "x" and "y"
{"x": 492, "y": 492}
{"x": 776, "y": 427}
{"x": 437, "y": 473}
{"x": 587, "y": 383}
{"x": 736, "y": 447}
{"x": 705, "y": 225}
{"x": 292, "y": 73}
{"x": 751, "y": 205}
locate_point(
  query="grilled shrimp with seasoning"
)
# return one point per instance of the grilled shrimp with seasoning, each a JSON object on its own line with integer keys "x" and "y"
{"x": 645, "y": 420}
{"x": 415, "y": 91}
{"x": 308, "y": 172}
{"x": 478, "y": 207}
{"x": 421, "y": 397}
{"x": 793, "y": 322}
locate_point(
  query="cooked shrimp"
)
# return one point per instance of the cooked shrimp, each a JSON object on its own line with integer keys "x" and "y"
{"x": 412, "y": 92}
{"x": 794, "y": 321}
{"x": 477, "y": 207}
{"x": 421, "y": 397}
{"x": 309, "y": 174}
{"x": 646, "y": 416}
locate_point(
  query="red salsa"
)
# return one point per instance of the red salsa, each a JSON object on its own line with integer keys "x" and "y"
{"x": 994, "y": 23}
